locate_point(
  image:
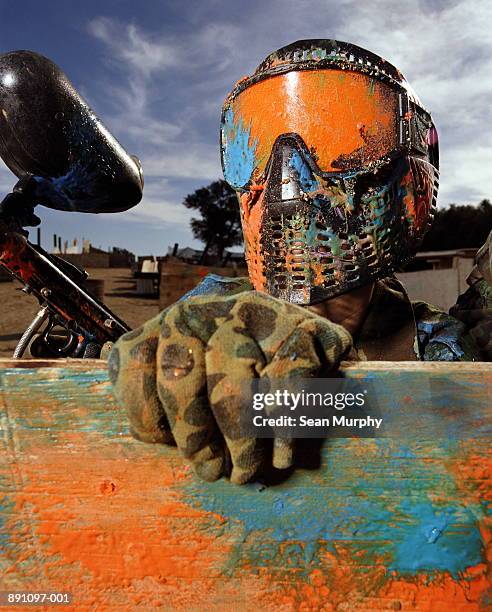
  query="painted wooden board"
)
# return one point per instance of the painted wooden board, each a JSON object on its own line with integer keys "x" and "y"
{"x": 397, "y": 524}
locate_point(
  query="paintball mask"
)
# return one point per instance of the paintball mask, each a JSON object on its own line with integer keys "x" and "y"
{"x": 48, "y": 133}
{"x": 335, "y": 163}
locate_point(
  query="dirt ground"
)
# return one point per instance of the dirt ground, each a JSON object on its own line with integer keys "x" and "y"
{"x": 18, "y": 309}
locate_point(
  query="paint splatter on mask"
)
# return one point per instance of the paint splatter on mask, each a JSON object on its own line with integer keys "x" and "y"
{"x": 335, "y": 162}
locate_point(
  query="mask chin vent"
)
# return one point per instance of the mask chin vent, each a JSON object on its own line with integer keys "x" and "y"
{"x": 288, "y": 257}
{"x": 342, "y": 265}
{"x": 317, "y": 248}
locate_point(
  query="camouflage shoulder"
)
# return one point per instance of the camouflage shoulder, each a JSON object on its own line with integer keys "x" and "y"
{"x": 484, "y": 289}
{"x": 441, "y": 337}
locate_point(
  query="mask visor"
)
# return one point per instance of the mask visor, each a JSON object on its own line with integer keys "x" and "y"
{"x": 346, "y": 119}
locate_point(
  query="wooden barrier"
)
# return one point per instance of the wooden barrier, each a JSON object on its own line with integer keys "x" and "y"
{"x": 384, "y": 523}
{"x": 177, "y": 278}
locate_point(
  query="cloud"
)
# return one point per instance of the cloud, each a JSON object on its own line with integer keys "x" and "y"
{"x": 130, "y": 45}
{"x": 199, "y": 162}
{"x": 159, "y": 211}
{"x": 468, "y": 175}
{"x": 7, "y": 180}
{"x": 155, "y": 104}
{"x": 443, "y": 47}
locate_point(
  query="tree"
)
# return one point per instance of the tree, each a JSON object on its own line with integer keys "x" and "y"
{"x": 459, "y": 227}
{"x": 220, "y": 224}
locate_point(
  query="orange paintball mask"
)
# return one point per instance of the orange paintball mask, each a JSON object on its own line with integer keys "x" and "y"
{"x": 335, "y": 162}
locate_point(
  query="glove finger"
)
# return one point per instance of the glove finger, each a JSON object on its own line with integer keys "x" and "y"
{"x": 132, "y": 371}
{"x": 266, "y": 320}
{"x": 283, "y": 453}
{"x": 272, "y": 322}
{"x": 313, "y": 347}
{"x": 182, "y": 385}
{"x": 298, "y": 357}
{"x": 233, "y": 360}
{"x": 331, "y": 342}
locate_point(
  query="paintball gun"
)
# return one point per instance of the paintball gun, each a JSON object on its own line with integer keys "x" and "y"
{"x": 64, "y": 159}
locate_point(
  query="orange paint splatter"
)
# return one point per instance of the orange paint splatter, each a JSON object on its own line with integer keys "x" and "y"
{"x": 252, "y": 211}
{"x": 113, "y": 536}
{"x": 117, "y": 533}
{"x": 325, "y": 109}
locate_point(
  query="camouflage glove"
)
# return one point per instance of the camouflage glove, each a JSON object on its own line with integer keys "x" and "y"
{"x": 180, "y": 375}
{"x": 474, "y": 307}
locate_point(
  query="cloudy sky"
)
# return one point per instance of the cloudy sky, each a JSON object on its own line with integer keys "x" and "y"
{"x": 156, "y": 73}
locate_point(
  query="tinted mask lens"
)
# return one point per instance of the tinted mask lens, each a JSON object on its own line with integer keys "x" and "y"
{"x": 347, "y": 120}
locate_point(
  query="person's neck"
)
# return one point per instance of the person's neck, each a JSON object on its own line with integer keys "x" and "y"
{"x": 348, "y": 310}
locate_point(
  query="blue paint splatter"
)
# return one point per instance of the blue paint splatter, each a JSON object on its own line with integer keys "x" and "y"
{"x": 6, "y": 511}
{"x": 307, "y": 180}
{"x": 436, "y": 538}
{"x": 43, "y": 391}
{"x": 238, "y": 154}
{"x": 394, "y": 519}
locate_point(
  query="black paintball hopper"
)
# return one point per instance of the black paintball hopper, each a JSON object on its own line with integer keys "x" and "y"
{"x": 49, "y": 132}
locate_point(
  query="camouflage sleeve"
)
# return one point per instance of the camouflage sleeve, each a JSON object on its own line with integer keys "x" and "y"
{"x": 180, "y": 377}
{"x": 474, "y": 307}
{"x": 440, "y": 336}
{"x": 465, "y": 334}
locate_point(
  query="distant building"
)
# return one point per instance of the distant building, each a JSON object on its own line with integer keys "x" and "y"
{"x": 438, "y": 277}
{"x": 194, "y": 256}
{"x": 186, "y": 254}
{"x": 85, "y": 255}
{"x": 439, "y": 260}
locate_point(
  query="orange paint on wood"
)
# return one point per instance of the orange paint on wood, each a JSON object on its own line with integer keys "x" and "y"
{"x": 123, "y": 524}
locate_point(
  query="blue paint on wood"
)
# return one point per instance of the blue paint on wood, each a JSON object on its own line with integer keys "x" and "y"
{"x": 393, "y": 519}
{"x": 442, "y": 538}
{"x": 69, "y": 385}
{"x": 6, "y": 511}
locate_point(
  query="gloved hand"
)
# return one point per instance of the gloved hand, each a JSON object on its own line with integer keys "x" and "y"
{"x": 474, "y": 307}
{"x": 180, "y": 375}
